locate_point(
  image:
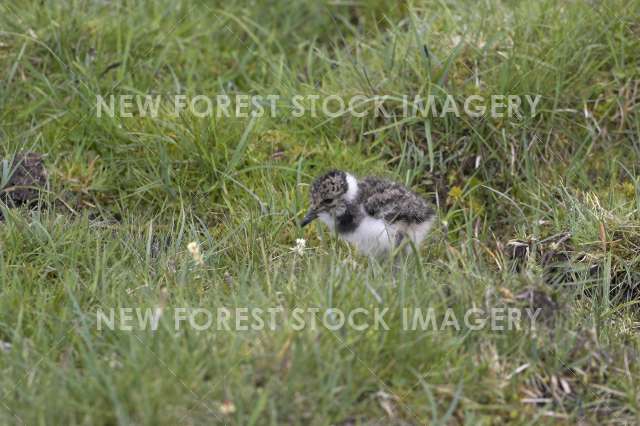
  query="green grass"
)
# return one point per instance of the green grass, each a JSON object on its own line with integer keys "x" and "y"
{"x": 127, "y": 195}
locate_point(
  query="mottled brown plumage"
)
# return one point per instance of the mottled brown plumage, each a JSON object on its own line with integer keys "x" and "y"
{"x": 392, "y": 201}
{"x": 374, "y": 214}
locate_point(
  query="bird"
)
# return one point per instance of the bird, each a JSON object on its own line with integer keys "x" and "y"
{"x": 373, "y": 214}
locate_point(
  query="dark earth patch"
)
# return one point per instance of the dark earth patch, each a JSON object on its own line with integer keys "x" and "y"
{"x": 23, "y": 178}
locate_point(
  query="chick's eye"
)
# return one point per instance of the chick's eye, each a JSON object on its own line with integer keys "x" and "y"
{"x": 326, "y": 202}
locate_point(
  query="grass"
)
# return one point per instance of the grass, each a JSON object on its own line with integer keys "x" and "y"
{"x": 126, "y": 196}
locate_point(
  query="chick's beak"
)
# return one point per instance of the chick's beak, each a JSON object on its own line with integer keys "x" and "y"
{"x": 309, "y": 217}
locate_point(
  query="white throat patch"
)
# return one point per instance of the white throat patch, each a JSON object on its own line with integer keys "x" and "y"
{"x": 352, "y": 188}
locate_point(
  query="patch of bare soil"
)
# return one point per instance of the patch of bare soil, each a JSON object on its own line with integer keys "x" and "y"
{"x": 22, "y": 179}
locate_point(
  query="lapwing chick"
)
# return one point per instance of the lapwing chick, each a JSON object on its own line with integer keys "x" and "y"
{"x": 375, "y": 215}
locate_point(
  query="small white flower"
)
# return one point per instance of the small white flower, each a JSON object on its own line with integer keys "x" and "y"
{"x": 194, "y": 249}
{"x": 298, "y": 249}
{"x": 113, "y": 361}
{"x": 227, "y": 407}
